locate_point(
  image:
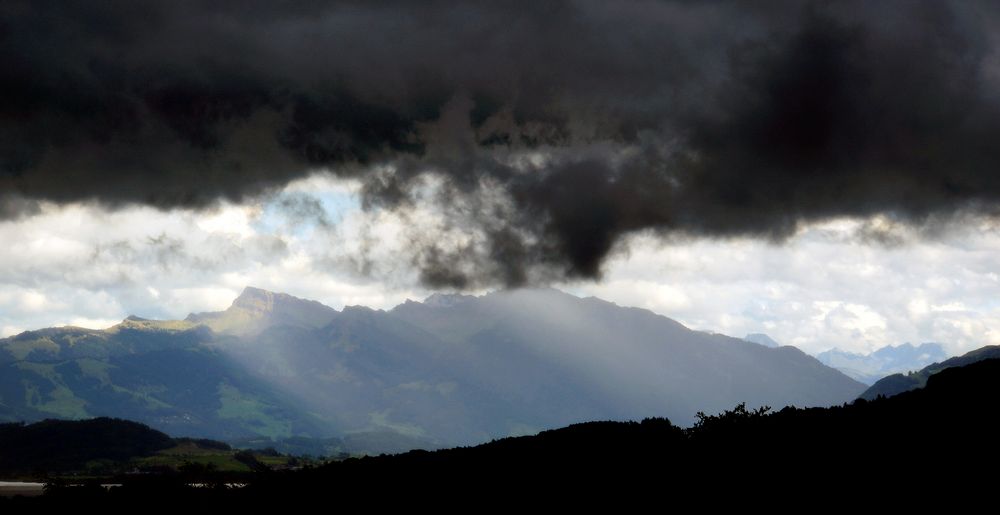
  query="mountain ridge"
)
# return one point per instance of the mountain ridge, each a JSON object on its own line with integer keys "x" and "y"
{"x": 454, "y": 369}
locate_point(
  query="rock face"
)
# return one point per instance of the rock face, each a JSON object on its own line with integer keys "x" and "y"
{"x": 451, "y": 370}
{"x": 255, "y": 310}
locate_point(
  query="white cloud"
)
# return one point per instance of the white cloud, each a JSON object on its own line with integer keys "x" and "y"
{"x": 9, "y": 330}
{"x": 81, "y": 265}
{"x": 825, "y": 288}
{"x": 229, "y": 219}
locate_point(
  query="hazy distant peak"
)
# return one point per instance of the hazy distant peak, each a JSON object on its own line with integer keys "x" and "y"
{"x": 250, "y": 293}
{"x": 256, "y": 299}
{"x": 930, "y": 349}
{"x": 446, "y": 300}
{"x": 359, "y": 310}
{"x": 540, "y": 291}
{"x": 869, "y": 368}
{"x": 762, "y": 339}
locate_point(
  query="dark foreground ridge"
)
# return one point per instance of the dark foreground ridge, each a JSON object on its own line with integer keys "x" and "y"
{"x": 898, "y": 383}
{"x": 936, "y": 437}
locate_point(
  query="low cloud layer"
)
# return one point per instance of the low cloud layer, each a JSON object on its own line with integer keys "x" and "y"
{"x": 541, "y": 136}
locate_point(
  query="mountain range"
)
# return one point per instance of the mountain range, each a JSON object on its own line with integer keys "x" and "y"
{"x": 451, "y": 370}
{"x": 888, "y": 360}
{"x": 869, "y": 368}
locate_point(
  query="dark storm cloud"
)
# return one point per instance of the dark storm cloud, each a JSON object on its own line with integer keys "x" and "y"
{"x": 553, "y": 128}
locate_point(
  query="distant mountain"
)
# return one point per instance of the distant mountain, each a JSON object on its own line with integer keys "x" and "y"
{"x": 450, "y": 370}
{"x": 888, "y": 360}
{"x": 762, "y": 339}
{"x": 899, "y": 383}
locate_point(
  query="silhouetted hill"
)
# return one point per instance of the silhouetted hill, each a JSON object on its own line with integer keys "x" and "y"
{"x": 776, "y": 455}
{"x": 62, "y": 445}
{"x": 898, "y": 383}
{"x": 451, "y": 370}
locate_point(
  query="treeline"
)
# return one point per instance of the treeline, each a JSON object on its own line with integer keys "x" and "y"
{"x": 53, "y": 446}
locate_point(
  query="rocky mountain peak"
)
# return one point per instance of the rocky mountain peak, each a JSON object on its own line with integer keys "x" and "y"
{"x": 256, "y": 309}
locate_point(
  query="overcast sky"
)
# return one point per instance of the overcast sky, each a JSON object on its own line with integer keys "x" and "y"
{"x": 822, "y": 171}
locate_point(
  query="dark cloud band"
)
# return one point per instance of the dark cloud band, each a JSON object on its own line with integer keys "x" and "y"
{"x": 555, "y": 128}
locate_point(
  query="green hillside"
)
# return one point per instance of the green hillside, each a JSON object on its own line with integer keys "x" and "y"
{"x": 165, "y": 374}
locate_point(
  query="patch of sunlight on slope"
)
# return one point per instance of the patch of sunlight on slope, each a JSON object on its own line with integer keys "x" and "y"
{"x": 249, "y": 409}
{"x": 21, "y": 348}
{"x": 141, "y": 324}
{"x": 60, "y": 401}
{"x": 99, "y": 370}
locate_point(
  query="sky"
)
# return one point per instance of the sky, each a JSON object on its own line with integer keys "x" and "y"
{"x": 824, "y": 172}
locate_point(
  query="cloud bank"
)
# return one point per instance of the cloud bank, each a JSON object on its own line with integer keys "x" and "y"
{"x": 543, "y": 135}
{"x": 827, "y": 286}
